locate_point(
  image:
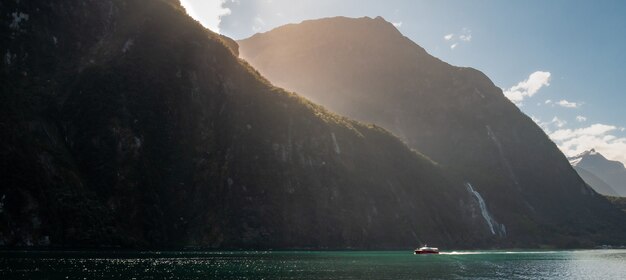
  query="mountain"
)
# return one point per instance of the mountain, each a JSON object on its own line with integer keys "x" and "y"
{"x": 366, "y": 69}
{"x": 619, "y": 202}
{"x": 595, "y": 183}
{"x": 591, "y": 164}
{"x": 126, "y": 123}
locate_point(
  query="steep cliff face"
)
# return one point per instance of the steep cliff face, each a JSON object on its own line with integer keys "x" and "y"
{"x": 595, "y": 182}
{"x": 364, "y": 68}
{"x": 608, "y": 177}
{"x": 125, "y": 123}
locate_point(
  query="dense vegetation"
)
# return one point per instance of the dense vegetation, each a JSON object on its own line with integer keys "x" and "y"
{"x": 125, "y": 123}
{"x": 366, "y": 69}
{"x": 620, "y": 202}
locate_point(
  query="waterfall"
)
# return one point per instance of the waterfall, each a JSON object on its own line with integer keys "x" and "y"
{"x": 502, "y": 157}
{"x": 493, "y": 225}
{"x": 337, "y": 149}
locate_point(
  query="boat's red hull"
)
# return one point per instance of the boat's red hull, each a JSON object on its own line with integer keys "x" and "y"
{"x": 417, "y": 252}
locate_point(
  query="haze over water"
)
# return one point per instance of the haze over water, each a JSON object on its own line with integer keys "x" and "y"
{"x": 584, "y": 264}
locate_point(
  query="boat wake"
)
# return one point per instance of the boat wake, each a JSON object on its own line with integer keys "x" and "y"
{"x": 495, "y": 252}
{"x": 462, "y": 253}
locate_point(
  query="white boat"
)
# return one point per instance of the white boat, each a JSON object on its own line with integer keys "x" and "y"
{"x": 426, "y": 250}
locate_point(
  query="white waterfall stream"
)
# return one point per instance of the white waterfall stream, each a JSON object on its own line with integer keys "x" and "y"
{"x": 483, "y": 210}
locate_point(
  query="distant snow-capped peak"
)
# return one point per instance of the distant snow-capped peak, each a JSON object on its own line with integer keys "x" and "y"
{"x": 575, "y": 160}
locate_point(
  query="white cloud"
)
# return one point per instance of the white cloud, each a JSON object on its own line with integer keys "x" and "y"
{"x": 575, "y": 141}
{"x": 465, "y": 38}
{"x": 558, "y": 122}
{"x": 568, "y": 104}
{"x": 259, "y": 23}
{"x": 397, "y": 24}
{"x": 529, "y": 87}
{"x": 596, "y": 136}
{"x": 548, "y": 126}
{"x": 548, "y": 101}
{"x": 207, "y": 12}
{"x": 581, "y": 118}
{"x": 535, "y": 119}
{"x": 593, "y": 130}
{"x": 466, "y": 35}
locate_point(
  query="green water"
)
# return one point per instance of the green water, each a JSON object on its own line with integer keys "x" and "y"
{"x": 584, "y": 264}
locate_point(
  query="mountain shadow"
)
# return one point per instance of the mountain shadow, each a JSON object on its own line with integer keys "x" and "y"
{"x": 366, "y": 69}
{"x": 126, "y": 123}
{"x": 607, "y": 177}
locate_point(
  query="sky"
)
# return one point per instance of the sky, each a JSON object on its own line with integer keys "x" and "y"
{"x": 561, "y": 62}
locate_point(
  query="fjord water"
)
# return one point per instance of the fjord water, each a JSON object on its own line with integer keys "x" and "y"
{"x": 582, "y": 264}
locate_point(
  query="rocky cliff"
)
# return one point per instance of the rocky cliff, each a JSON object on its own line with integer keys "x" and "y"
{"x": 366, "y": 69}
{"x": 125, "y": 123}
{"x": 608, "y": 177}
